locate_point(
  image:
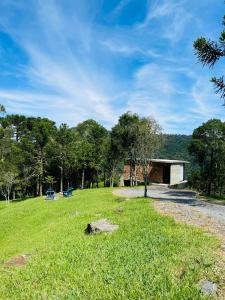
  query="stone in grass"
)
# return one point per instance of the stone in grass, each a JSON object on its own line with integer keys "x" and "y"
{"x": 101, "y": 226}
{"x": 17, "y": 261}
{"x": 208, "y": 287}
{"x": 74, "y": 214}
{"x": 119, "y": 209}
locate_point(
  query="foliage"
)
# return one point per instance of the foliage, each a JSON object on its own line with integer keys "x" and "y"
{"x": 90, "y": 148}
{"x": 123, "y": 144}
{"x": 149, "y": 139}
{"x": 62, "y": 151}
{"x": 124, "y": 135}
{"x": 50, "y": 180}
{"x": 176, "y": 146}
{"x": 208, "y": 53}
{"x": 149, "y": 257}
{"x": 85, "y": 155}
{"x": 2, "y": 109}
{"x": 208, "y": 147}
{"x": 8, "y": 178}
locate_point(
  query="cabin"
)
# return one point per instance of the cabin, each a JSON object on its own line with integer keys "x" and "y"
{"x": 163, "y": 171}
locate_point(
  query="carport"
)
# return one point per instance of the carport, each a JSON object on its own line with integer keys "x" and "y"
{"x": 164, "y": 171}
{"x": 167, "y": 171}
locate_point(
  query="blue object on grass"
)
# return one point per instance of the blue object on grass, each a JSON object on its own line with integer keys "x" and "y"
{"x": 50, "y": 194}
{"x": 68, "y": 192}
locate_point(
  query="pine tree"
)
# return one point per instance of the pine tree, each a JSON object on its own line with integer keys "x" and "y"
{"x": 208, "y": 53}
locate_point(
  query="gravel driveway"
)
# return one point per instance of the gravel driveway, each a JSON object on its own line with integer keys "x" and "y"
{"x": 184, "y": 207}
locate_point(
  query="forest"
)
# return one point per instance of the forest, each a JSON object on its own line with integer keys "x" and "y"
{"x": 175, "y": 146}
{"x": 37, "y": 155}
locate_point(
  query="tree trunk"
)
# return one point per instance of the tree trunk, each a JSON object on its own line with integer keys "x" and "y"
{"x": 97, "y": 180}
{"x": 145, "y": 179}
{"x": 111, "y": 181}
{"x": 37, "y": 188}
{"x": 8, "y": 196}
{"x": 135, "y": 175}
{"x": 61, "y": 179}
{"x": 41, "y": 188}
{"x": 112, "y": 177}
{"x": 82, "y": 180}
{"x": 131, "y": 181}
{"x": 104, "y": 179}
{"x": 41, "y": 177}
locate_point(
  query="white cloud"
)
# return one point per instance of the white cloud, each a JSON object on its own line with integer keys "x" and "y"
{"x": 205, "y": 101}
{"x": 79, "y": 69}
{"x": 57, "y": 67}
{"x": 159, "y": 9}
{"x": 174, "y": 18}
{"x": 124, "y": 48}
{"x": 157, "y": 91}
{"x": 152, "y": 94}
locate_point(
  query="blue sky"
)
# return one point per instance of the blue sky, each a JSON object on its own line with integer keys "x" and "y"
{"x": 71, "y": 60}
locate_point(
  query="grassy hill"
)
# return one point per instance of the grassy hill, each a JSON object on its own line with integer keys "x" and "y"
{"x": 149, "y": 257}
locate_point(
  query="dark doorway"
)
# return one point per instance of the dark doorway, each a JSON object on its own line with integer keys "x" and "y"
{"x": 166, "y": 174}
{"x": 126, "y": 182}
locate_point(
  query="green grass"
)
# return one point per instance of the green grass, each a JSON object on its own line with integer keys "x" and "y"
{"x": 149, "y": 257}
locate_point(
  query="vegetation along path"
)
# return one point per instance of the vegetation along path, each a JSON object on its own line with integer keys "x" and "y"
{"x": 184, "y": 207}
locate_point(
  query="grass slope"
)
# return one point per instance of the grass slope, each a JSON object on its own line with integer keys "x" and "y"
{"x": 149, "y": 257}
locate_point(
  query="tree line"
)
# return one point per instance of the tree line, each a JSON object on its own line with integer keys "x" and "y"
{"x": 208, "y": 140}
{"x": 208, "y": 150}
{"x": 36, "y": 154}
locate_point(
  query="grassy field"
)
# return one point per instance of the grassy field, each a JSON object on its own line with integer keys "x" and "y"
{"x": 149, "y": 257}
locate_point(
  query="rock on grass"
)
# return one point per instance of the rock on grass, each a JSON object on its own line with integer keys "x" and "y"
{"x": 101, "y": 226}
{"x": 208, "y": 287}
{"x": 17, "y": 261}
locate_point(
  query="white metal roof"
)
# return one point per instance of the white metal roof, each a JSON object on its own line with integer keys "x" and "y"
{"x": 170, "y": 161}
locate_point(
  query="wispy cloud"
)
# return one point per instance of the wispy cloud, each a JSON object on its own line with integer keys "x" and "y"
{"x": 77, "y": 66}
{"x": 124, "y": 48}
{"x": 119, "y": 7}
{"x": 172, "y": 18}
{"x": 159, "y": 9}
{"x": 56, "y": 64}
{"x": 159, "y": 92}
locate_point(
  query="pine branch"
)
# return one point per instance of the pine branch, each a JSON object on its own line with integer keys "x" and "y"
{"x": 219, "y": 86}
{"x": 208, "y": 52}
{"x": 222, "y": 41}
{"x": 223, "y": 22}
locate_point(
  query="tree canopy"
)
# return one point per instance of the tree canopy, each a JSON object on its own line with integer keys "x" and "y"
{"x": 35, "y": 154}
{"x": 208, "y": 148}
{"x": 208, "y": 53}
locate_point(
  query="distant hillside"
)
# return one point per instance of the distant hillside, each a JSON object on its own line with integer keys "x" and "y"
{"x": 175, "y": 147}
